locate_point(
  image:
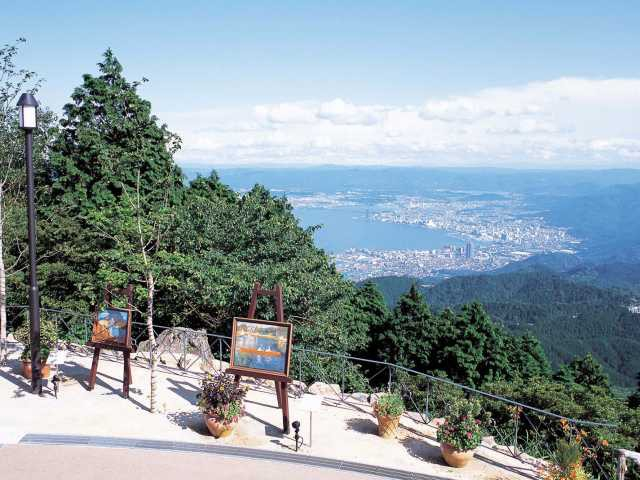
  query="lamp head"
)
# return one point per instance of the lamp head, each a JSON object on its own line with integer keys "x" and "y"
{"x": 28, "y": 106}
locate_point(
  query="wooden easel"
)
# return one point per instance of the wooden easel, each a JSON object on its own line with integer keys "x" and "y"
{"x": 125, "y": 349}
{"x": 281, "y": 381}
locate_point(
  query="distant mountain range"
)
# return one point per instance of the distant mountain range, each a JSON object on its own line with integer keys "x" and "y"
{"x": 567, "y": 311}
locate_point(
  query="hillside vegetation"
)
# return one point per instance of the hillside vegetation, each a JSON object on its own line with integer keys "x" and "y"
{"x": 569, "y": 317}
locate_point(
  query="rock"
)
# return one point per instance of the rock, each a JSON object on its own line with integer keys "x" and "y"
{"x": 436, "y": 422}
{"x": 180, "y": 342}
{"x": 11, "y": 338}
{"x": 77, "y": 348}
{"x": 360, "y": 397}
{"x": 324, "y": 389}
{"x": 297, "y": 388}
{"x": 415, "y": 416}
{"x": 489, "y": 442}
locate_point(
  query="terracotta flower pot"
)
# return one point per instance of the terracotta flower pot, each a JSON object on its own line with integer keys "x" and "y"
{"x": 217, "y": 428}
{"x": 26, "y": 369}
{"x": 388, "y": 426}
{"x": 455, "y": 458}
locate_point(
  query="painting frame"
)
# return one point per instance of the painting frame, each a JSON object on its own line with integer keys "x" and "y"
{"x": 106, "y": 343}
{"x": 249, "y": 371}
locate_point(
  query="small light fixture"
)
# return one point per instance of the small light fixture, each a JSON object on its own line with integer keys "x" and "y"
{"x": 299, "y": 440}
{"x": 28, "y": 106}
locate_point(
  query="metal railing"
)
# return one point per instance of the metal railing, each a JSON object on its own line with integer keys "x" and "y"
{"x": 522, "y": 429}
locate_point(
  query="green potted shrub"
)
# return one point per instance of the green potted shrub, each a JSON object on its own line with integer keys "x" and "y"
{"x": 566, "y": 463}
{"x": 388, "y": 409}
{"x": 221, "y": 403}
{"x": 48, "y": 342}
{"x": 460, "y": 433}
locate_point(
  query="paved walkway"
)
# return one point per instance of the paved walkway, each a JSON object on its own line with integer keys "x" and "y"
{"x": 342, "y": 430}
{"x": 21, "y": 462}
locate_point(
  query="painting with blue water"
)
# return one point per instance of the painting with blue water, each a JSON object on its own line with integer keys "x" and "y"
{"x": 111, "y": 326}
{"x": 261, "y": 345}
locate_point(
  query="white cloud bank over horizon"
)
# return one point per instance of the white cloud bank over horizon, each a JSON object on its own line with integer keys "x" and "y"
{"x": 563, "y": 123}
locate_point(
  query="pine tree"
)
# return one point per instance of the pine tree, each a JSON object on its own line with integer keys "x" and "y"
{"x": 113, "y": 170}
{"x": 409, "y": 335}
{"x": 527, "y": 358}
{"x": 584, "y": 371}
{"x": 471, "y": 349}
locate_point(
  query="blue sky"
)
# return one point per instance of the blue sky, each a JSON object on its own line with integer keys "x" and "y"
{"x": 323, "y": 82}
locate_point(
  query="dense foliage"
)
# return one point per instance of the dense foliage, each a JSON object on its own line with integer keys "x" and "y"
{"x": 569, "y": 317}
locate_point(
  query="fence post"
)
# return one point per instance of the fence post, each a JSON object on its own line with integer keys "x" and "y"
{"x": 344, "y": 366}
{"x": 622, "y": 465}
{"x": 183, "y": 359}
{"x": 220, "y": 353}
{"x": 515, "y": 436}
{"x": 390, "y": 376}
{"x": 426, "y": 402}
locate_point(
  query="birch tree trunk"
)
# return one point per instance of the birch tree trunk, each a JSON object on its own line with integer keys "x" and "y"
{"x": 152, "y": 342}
{"x": 3, "y": 288}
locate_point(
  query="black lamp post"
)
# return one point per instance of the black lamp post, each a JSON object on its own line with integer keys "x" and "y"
{"x": 28, "y": 106}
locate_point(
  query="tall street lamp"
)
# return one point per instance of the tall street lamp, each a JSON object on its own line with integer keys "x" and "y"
{"x": 28, "y": 106}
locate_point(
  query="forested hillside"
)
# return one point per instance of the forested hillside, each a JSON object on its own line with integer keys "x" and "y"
{"x": 569, "y": 318}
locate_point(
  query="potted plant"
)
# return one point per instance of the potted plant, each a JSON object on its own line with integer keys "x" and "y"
{"x": 566, "y": 463}
{"x": 460, "y": 433}
{"x": 221, "y": 401}
{"x": 388, "y": 409}
{"x": 48, "y": 341}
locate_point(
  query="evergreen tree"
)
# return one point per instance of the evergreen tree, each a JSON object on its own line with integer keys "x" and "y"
{"x": 110, "y": 148}
{"x": 585, "y": 371}
{"x": 409, "y": 336}
{"x": 369, "y": 314}
{"x": 526, "y": 357}
{"x": 112, "y": 169}
{"x": 471, "y": 348}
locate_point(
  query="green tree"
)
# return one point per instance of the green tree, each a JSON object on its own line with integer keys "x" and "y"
{"x": 112, "y": 169}
{"x": 584, "y": 371}
{"x": 109, "y": 145}
{"x": 409, "y": 336}
{"x": 471, "y": 347}
{"x": 369, "y": 317}
{"x": 526, "y": 357}
{"x": 13, "y": 257}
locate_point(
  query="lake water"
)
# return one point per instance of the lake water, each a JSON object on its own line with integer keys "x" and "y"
{"x": 349, "y": 227}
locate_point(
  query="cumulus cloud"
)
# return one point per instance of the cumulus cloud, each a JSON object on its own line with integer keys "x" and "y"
{"x": 567, "y": 121}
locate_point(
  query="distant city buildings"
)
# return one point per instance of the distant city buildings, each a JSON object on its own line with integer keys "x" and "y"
{"x": 494, "y": 232}
{"x": 468, "y": 251}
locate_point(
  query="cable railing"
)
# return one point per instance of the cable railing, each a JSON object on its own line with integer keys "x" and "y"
{"x": 521, "y": 428}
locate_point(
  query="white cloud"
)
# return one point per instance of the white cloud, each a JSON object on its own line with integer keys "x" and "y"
{"x": 563, "y": 122}
{"x": 340, "y": 112}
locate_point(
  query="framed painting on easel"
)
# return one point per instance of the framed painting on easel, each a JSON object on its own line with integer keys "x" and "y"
{"x": 261, "y": 346}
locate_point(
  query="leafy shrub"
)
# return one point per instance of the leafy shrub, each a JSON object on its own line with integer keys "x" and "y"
{"x": 462, "y": 428}
{"x": 221, "y": 397}
{"x": 48, "y": 337}
{"x": 389, "y": 405}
